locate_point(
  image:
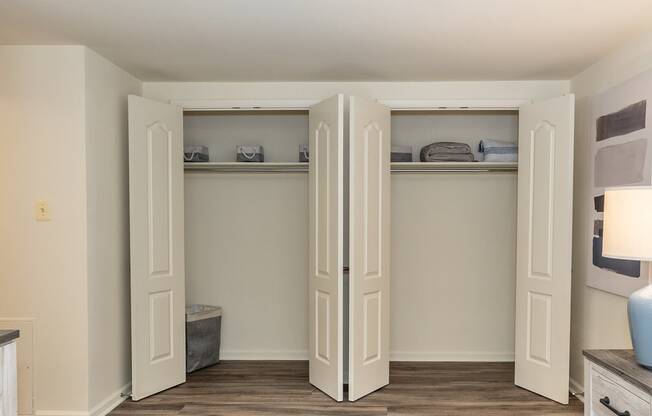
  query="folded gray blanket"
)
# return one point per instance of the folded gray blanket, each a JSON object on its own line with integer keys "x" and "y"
{"x": 449, "y": 157}
{"x": 447, "y": 147}
{"x": 446, "y": 152}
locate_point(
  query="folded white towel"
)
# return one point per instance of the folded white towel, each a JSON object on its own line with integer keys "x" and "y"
{"x": 505, "y": 157}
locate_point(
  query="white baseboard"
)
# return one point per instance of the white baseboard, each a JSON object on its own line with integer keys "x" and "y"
{"x": 470, "y": 356}
{"x": 111, "y": 402}
{"x": 576, "y": 389}
{"x": 264, "y": 355}
{"x": 101, "y": 409}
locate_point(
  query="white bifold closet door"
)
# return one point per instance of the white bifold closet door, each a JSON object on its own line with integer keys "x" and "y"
{"x": 369, "y": 245}
{"x": 157, "y": 251}
{"x": 544, "y": 237}
{"x": 369, "y": 206}
{"x": 326, "y": 256}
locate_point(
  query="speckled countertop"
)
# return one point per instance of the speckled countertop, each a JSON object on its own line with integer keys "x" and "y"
{"x": 8, "y": 335}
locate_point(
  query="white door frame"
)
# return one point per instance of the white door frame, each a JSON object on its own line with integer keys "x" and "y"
{"x": 305, "y": 104}
{"x": 393, "y": 104}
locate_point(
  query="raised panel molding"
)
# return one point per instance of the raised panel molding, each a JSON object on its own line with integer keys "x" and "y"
{"x": 540, "y": 328}
{"x": 372, "y": 200}
{"x": 159, "y": 153}
{"x": 161, "y": 339}
{"x": 322, "y": 172}
{"x": 372, "y": 327}
{"x": 322, "y": 326}
{"x": 542, "y": 145}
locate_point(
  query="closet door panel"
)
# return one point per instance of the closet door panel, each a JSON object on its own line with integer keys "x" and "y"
{"x": 326, "y": 293}
{"x": 369, "y": 210}
{"x": 157, "y": 246}
{"x": 545, "y": 194}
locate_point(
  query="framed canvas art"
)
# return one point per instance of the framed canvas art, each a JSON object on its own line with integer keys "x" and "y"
{"x": 621, "y": 156}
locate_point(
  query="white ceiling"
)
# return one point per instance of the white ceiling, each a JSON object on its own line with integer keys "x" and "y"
{"x": 334, "y": 40}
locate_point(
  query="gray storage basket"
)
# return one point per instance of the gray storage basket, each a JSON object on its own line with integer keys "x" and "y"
{"x": 304, "y": 153}
{"x": 192, "y": 153}
{"x": 203, "y": 325}
{"x": 401, "y": 153}
{"x": 250, "y": 153}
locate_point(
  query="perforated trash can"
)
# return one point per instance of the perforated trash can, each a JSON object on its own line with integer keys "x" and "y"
{"x": 203, "y": 325}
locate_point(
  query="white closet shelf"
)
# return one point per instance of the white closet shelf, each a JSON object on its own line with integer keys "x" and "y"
{"x": 452, "y": 167}
{"x": 397, "y": 167}
{"x": 247, "y": 167}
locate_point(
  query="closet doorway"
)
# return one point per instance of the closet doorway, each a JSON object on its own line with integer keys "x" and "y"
{"x": 355, "y": 154}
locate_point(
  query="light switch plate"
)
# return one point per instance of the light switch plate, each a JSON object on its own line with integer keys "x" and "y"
{"x": 42, "y": 212}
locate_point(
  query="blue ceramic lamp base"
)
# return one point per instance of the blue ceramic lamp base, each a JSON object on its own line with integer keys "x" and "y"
{"x": 639, "y": 309}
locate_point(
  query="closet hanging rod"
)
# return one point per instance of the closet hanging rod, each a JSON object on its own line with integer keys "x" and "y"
{"x": 400, "y": 167}
{"x": 453, "y": 167}
{"x": 249, "y": 167}
{"x": 439, "y": 170}
{"x": 217, "y": 170}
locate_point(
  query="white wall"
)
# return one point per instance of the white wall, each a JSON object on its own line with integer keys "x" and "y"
{"x": 63, "y": 128}
{"x": 599, "y": 319}
{"x": 247, "y": 251}
{"x": 44, "y": 265}
{"x": 107, "y": 188}
{"x": 453, "y": 266}
{"x": 453, "y": 263}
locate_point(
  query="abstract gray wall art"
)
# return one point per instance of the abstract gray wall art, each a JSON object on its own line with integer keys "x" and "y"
{"x": 622, "y": 149}
{"x": 621, "y": 122}
{"x": 620, "y": 164}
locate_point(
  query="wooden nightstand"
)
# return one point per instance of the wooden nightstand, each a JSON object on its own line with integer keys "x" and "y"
{"x": 615, "y": 384}
{"x": 8, "y": 385}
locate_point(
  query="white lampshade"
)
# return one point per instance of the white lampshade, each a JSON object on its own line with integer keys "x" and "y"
{"x": 628, "y": 223}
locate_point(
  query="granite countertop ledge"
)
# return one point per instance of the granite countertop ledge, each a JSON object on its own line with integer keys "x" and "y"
{"x": 623, "y": 363}
{"x": 8, "y": 335}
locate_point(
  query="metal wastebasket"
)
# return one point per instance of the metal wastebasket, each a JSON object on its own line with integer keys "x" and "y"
{"x": 203, "y": 325}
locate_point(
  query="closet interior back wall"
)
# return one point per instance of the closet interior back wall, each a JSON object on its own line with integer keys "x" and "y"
{"x": 453, "y": 245}
{"x": 247, "y": 234}
{"x": 279, "y": 132}
{"x": 420, "y": 128}
{"x": 247, "y": 251}
{"x": 453, "y": 263}
{"x": 453, "y": 241}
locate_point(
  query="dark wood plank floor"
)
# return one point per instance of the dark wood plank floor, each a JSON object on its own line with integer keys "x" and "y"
{"x": 253, "y": 388}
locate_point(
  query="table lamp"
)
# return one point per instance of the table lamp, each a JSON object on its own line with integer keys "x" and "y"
{"x": 628, "y": 235}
